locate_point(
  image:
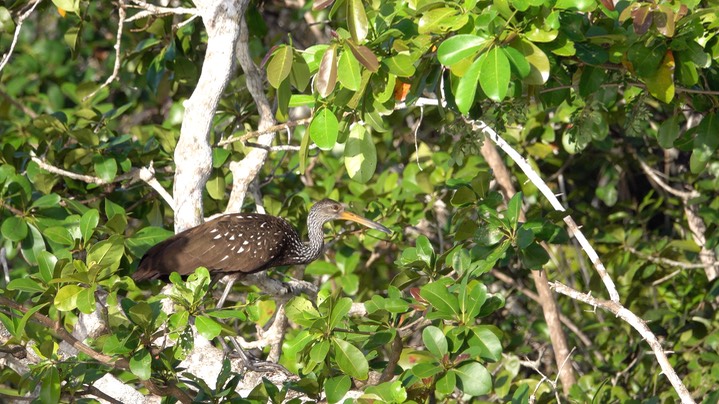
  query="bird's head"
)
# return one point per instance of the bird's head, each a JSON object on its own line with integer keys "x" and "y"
{"x": 327, "y": 210}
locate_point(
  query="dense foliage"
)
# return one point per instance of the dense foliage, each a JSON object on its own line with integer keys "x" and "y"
{"x": 614, "y": 104}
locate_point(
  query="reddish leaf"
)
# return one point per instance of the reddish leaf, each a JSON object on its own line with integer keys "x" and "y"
{"x": 327, "y": 75}
{"x": 642, "y": 20}
{"x": 364, "y": 55}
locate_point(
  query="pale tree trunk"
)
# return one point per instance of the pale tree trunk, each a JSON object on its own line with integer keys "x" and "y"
{"x": 193, "y": 154}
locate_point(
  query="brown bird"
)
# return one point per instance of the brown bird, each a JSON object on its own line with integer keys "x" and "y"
{"x": 243, "y": 243}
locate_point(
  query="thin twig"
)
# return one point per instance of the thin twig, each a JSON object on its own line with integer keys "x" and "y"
{"x": 534, "y": 177}
{"x": 116, "y": 69}
{"x": 151, "y": 9}
{"x": 666, "y": 261}
{"x": 271, "y": 129}
{"x": 15, "y": 37}
{"x": 638, "y": 324}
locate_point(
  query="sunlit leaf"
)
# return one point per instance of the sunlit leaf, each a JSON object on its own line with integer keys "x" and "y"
{"x": 324, "y": 129}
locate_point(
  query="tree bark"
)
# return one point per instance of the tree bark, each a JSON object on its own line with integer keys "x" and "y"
{"x": 193, "y": 154}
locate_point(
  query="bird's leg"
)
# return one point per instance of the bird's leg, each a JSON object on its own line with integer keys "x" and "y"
{"x": 231, "y": 278}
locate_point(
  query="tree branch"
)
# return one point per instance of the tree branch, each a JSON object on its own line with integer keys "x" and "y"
{"x": 638, "y": 324}
{"x": 30, "y": 8}
{"x": 116, "y": 68}
{"x": 544, "y": 189}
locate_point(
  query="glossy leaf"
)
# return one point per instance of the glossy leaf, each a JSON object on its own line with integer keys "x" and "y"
{"x": 447, "y": 382}
{"x": 66, "y": 297}
{"x": 50, "y": 387}
{"x": 400, "y": 65}
{"x": 88, "y": 224}
{"x": 14, "y": 228}
{"x": 300, "y": 73}
{"x": 350, "y": 359}
{"x": 207, "y": 327}
{"x": 364, "y": 55}
{"x": 324, "y": 129}
{"x": 280, "y": 66}
{"x": 538, "y": 62}
{"x": 360, "y": 154}
{"x": 495, "y": 74}
{"x": 438, "y": 296}
{"x": 140, "y": 364}
{"x": 105, "y": 167}
{"x": 435, "y": 342}
{"x": 467, "y": 87}
{"x": 661, "y": 83}
{"x": 326, "y": 78}
{"x": 458, "y": 47}
{"x": 336, "y": 388}
{"x": 349, "y": 73}
{"x": 441, "y": 20}
{"x": 474, "y": 379}
{"x": 705, "y": 142}
{"x": 357, "y": 20}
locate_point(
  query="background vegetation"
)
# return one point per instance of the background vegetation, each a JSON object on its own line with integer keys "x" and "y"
{"x": 614, "y": 104}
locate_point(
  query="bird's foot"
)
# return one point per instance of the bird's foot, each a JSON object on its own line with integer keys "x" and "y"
{"x": 253, "y": 364}
{"x": 296, "y": 287}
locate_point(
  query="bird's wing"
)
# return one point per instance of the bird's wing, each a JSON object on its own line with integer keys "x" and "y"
{"x": 231, "y": 243}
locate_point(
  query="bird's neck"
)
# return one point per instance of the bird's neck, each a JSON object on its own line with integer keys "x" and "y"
{"x": 313, "y": 248}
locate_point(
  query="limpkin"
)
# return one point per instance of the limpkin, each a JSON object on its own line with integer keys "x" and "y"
{"x": 243, "y": 243}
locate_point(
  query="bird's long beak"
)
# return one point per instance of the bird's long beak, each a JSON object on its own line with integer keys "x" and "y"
{"x": 359, "y": 219}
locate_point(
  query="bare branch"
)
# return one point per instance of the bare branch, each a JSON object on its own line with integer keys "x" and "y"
{"x": 153, "y": 10}
{"x": 116, "y": 69}
{"x": 20, "y": 21}
{"x": 269, "y": 130}
{"x": 146, "y": 174}
{"x": 638, "y": 324}
{"x": 544, "y": 189}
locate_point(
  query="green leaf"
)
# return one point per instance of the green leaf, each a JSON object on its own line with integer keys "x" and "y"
{"x": 360, "y": 154}
{"x": 319, "y": 351}
{"x": 86, "y": 300}
{"x": 438, "y": 296}
{"x": 388, "y": 392}
{"x": 495, "y": 74}
{"x": 538, "y": 62}
{"x": 425, "y": 251}
{"x": 467, "y": 87}
{"x": 447, "y": 383}
{"x": 46, "y": 265}
{"x": 143, "y": 240}
{"x": 107, "y": 253}
{"x": 32, "y": 245}
{"x": 324, "y": 129}
{"x": 705, "y": 142}
{"x": 14, "y": 228}
{"x": 350, "y": 359}
{"x": 426, "y": 369}
{"x": 474, "y": 379}
{"x": 141, "y": 364}
{"x": 326, "y": 78}
{"x": 50, "y": 386}
{"x": 400, "y": 65}
{"x": 517, "y": 60}
{"x": 339, "y": 312}
{"x": 459, "y": 47}
{"x": 349, "y": 73}
{"x": 66, "y": 297}
{"x": 300, "y": 73}
{"x": 435, "y": 341}
{"x": 60, "y": 235}
{"x": 471, "y": 298}
{"x": 514, "y": 209}
{"x": 279, "y": 67}
{"x": 486, "y": 345}
{"x": 336, "y": 388}
{"x": 301, "y": 311}
{"x": 88, "y": 224}
{"x": 46, "y": 201}
{"x": 441, "y": 20}
{"x": 357, "y": 20}
{"x": 207, "y": 327}
{"x": 25, "y": 285}
{"x": 105, "y": 167}
{"x": 661, "y": 83}
{"x": 534, "y": 256}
